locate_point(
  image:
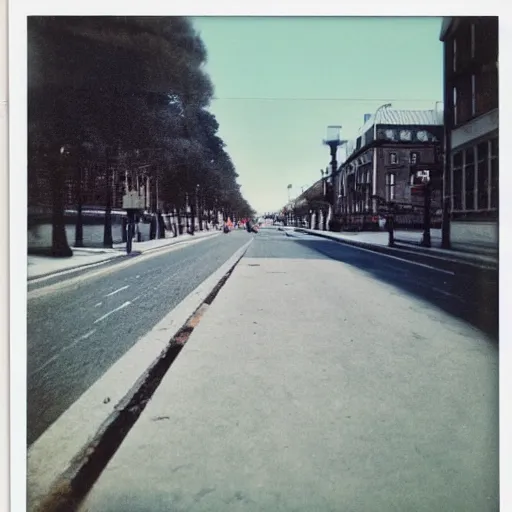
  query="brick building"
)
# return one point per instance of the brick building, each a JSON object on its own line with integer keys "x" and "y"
{"x": 471, "y": 172}
{"x": 378, "y": 164}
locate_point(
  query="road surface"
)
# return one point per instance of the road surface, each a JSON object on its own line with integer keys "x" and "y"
{"x": 321, "y": 377}
{"x": 74, "y": 336}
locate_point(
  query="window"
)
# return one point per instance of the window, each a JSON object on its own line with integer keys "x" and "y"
{"x": 469, "y": 173}
{"x": 457, "y": 181}
{"x": 368, "y": 190}
{"x": 482, "y": 172}
{"x": 393, "y": 158}
{"x": 415, "y": 158}
{"x": 494, "y": 173}
{"x": 390, "y": 186}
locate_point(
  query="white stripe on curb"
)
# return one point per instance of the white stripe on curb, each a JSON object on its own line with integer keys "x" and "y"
{"x": 51, "y": 454}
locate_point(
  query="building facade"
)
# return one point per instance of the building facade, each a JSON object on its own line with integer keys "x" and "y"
{"x": 378, "y": 167}
{"x": 471, "y": 173}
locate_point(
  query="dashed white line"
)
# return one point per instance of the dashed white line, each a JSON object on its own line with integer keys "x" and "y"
{"x": 106, "y": 315}
{"x": 117, "y": 291}
{"x": 63, "y": 349}
{"x": 98, "y": 304}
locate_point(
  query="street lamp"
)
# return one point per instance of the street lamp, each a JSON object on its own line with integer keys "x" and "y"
{"x": 198, "y": 209}
{"x": 333, "y": 141}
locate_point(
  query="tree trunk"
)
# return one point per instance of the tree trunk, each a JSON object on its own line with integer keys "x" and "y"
{"x": 200, "y": 213}
{"x": 192, "y": 218}
{"x": 79, "y": 227}
{"x": 178, "y": 222}
{"x": 107, "y": 233}
{"x": 60, "y": 246}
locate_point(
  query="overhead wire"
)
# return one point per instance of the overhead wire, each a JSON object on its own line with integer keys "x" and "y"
{"x": 255, "y": 98}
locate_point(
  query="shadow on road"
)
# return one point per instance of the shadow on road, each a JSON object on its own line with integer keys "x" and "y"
{"x": 471, "y": 295}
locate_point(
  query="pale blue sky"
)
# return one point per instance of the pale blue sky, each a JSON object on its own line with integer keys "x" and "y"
{"x": 367, "y": 60}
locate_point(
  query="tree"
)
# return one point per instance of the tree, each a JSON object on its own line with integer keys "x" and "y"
{"x": 121, "y": 83}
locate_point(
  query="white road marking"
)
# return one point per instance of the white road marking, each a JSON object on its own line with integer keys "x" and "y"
{"x": 117, "y": 291}
{"x": 98, "y": 304}
{"x": 484, "y": 265}
{"x": 63, "y": 349}
{"x": 399, "y": 259}
{"x": 106, "y": 315}
{"x": 424, "y": 265}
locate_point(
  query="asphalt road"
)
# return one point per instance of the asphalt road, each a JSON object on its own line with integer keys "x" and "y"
{"x": 74, "y": 335}
{"x": 467, "y": 293}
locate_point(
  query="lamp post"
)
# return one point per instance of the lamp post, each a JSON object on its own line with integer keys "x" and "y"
{"x": 333, "y": 141}
{"x": 198, "y": 209}
{"x": 324, "y": 197}
{"x": 187, "y": 213}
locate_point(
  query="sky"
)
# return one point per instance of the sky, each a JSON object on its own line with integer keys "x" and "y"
{"x": 280, "y": 81}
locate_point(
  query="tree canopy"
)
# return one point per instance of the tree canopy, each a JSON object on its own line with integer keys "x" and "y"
{"x": 126, "y": 84}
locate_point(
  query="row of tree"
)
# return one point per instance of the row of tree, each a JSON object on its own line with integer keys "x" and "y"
{"x": 103, "y": 87}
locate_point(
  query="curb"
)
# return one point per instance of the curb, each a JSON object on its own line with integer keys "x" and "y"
{"x": 78, "y": 268}
{"x": 403, "y": 249}
{"x": 192, "y": 237}
{"x": 64, "y": 491}
{"x": 121, "y": 257}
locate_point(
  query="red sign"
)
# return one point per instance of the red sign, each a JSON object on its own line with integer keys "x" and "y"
{"x": 417, "y": 190}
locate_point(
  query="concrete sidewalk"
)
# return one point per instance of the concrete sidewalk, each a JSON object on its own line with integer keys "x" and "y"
{"x": 289, "y": 397}
{"x": 379, "y": 239}
{"x": 42, "y": 266}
